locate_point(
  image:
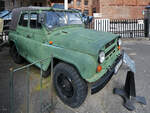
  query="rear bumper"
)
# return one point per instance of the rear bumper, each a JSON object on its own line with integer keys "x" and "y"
{"x": 98, "y": 85}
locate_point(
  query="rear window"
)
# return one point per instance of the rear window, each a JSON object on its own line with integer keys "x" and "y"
{"x": 34, "y": 21}
{"x": 24, "y": 20}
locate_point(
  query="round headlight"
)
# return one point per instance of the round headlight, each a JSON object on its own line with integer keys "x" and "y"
{"x": 119, "y": 42}
{"x": 101, "y": 57}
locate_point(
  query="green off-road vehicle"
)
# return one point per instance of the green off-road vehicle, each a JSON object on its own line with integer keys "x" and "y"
{"x": 81, "y": 56}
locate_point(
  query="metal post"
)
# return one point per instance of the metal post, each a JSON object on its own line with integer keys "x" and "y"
{"x": 11, "y": 91}
{"x": 66, "y": 4}
{"x": 28, "y": 89}
{"x": 41, "y": 73}
{"x": 51, "y": 85}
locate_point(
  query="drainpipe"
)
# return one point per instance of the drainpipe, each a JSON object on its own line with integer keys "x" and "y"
{"x": 66, "y": 4}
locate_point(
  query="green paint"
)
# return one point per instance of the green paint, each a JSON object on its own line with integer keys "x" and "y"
{"x": 71, "y": 44}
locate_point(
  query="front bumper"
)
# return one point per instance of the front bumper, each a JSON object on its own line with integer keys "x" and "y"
{"x": 98, "y": 85}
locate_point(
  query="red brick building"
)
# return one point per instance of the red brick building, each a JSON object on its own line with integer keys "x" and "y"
{"x": 113, "y": 9}
{"x": 122, "y": 9}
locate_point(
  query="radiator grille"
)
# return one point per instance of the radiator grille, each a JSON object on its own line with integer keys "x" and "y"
{"x": 110, "y": 51}
{"x": 109, "y": 43}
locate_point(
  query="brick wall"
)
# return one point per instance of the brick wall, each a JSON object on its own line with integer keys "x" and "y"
{"x": 95, "y": 4}
{"x": 113, "y": 9}
{"x": 122, "y": 9}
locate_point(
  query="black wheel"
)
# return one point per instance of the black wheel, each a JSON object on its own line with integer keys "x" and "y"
{"x": 15, "y": 55}
{"x": 71, "y": 89}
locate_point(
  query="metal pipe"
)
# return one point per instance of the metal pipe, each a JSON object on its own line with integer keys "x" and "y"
{"x": 28, "y": 90}
{"x": 66, "y": 4}
{"x": 11, "y": 91}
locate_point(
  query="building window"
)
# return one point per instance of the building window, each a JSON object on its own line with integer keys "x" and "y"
{"x": 2, "y": 5}
{"x": 86, "y": 2}
{"x": 78, "y": 2}
{"x": 94, "y": 10}
{"x": 21, "y": 3}
{"x": 40, "y": 4}
{"x": 71, "y": 2}
{"x": 86, "y": 12}
{"x": 34, "y": 21}
{"x": 24, "y": 20}
{"x": 35, "y": 4}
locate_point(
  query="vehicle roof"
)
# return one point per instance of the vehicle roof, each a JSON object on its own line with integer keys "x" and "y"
{"x": 17, "y": 11}
{"x": 36, "y": 8}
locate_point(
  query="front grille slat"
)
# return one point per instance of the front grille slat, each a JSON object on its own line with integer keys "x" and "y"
{"x": 109, "y": 43}
{"x": 112, "y": 49}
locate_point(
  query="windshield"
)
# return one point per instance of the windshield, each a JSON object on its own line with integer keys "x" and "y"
{"x": 8, "y": 17}
{"x": 55, "y": 19}
{"x": 3, "y": 13}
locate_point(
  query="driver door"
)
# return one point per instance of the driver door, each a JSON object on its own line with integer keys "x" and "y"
{"x": 22, "y": 35}
{"x": 37, "y": 38}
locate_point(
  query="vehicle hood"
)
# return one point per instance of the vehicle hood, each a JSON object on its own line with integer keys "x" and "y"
{"x": 80, "y": 39}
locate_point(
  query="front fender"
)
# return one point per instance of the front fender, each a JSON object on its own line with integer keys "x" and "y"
{"x": 84, "y": 63}
{"x": 11, "y": 39}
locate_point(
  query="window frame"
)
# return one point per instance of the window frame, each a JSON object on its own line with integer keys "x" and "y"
{"x": 34, "y": 12}
{"x": 86, "y": 2}
{"x": 23, "y": 13}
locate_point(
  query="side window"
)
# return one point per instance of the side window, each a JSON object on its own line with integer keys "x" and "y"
{"x": 24, "y": 20}
{"x": 34, "y": 21}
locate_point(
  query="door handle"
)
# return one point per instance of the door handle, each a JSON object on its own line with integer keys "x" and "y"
{"x": 28, "y": 36}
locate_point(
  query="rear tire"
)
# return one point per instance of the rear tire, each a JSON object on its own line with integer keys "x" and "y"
{"x": 71, "y": 89}
{"x": 15, "y": 55}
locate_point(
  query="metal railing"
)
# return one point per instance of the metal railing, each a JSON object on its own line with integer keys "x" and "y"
{"x": 129, "y": 28}
{"x": 126, "y": 28}
{"x": 27, "y": 93}
{"x": 4, "y": 30}
{"x": 4, "y": 36}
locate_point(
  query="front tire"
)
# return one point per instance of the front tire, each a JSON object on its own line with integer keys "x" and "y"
{"x": 15, "y": 55}
{"x": 71, "y": 89}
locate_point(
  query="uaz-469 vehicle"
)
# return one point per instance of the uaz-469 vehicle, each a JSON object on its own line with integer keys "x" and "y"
{"x": 81, "y": 56}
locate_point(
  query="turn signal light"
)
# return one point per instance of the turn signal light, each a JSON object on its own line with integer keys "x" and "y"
{"x": 99, "y": 68}
{"x": 50, "y": 42}
{"x": 119, "y": 47}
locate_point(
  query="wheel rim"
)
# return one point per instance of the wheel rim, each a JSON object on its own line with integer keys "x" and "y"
{"x": 65, "y": 85}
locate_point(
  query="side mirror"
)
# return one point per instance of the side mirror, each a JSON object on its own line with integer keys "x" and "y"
{"x": 87, "y": 19}
{"x": 42, "y": 18}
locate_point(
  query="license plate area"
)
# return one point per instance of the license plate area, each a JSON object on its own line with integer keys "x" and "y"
{"x": 129, "y": 62}
{"x": 118, "y": 66}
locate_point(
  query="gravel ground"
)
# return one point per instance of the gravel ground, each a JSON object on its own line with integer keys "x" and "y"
{"x": 103, "y": 102}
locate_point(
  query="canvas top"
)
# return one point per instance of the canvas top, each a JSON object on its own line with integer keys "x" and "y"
{"x": 17, "y": 11}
